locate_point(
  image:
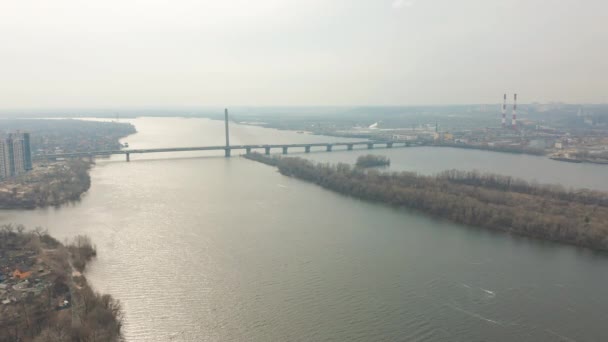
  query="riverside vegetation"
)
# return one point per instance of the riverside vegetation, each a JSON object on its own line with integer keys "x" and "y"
{"x": 43, "y": 294}
{"x": 50, "y": 185}
{"x": 501, "y": 203}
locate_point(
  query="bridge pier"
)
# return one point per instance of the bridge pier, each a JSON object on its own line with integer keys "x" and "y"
{"x": 227, "y": 152}
{"x": 267, "y": 150}
{"x": 128, "y": 157}
{"x": 247, "y": 150}
{"x": 284, "y": 149}
{"x": 370, "y": 146}
{"x": 349, "y": 147}
{"x": 329, "y": 147}
{"x": 307, "y": 149}
{"x": 389, "y": 145}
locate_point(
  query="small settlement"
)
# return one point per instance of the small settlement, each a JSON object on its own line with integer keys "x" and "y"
{"x": 32, "y": 280}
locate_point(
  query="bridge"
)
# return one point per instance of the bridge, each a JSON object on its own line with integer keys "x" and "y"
{"x": 306, "y": 147}
{"x": 226, "y": 148}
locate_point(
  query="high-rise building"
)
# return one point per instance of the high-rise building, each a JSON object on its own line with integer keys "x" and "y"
{"x": 15, "y": 155}
{"x": 27, "y": 151}
{"x": 18, "y": 154}
{"x": 6, "y": 158}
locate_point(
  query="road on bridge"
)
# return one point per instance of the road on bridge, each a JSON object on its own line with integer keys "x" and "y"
{"x": 227, "y": 149}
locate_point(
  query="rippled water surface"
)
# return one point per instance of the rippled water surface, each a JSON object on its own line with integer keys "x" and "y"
{"x": 209, "y": 248}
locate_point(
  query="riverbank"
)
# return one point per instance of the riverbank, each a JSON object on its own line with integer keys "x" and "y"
{"x": 581, "y": 157}
{"x": 577, "y": 217}
{"x": 49, "y": 184}
{"x": 43, "y": 294}
{"x": 579, "y": 160}
{"x": 530, "y": 151}
{"x": 497, "y": 148}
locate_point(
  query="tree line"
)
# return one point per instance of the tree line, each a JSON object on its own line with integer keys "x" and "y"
{"x": 577, "y": 217}
{"x": 370, "y": 160}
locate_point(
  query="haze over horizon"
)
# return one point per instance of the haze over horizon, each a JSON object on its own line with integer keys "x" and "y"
{"x": 70, "y": 54}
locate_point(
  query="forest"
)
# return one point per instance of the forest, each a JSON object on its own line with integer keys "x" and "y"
{"x": 500, "y": 203}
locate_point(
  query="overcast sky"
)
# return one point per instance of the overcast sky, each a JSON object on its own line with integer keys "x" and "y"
{"x": 112, "y": 53}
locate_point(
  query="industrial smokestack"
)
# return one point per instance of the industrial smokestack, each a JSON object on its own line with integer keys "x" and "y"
{"x": 514, "y": 121}
{"x": 504, "y": 111}
{"x": 227, "y": 133}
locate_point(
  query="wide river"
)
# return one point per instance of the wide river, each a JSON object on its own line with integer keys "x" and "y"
{"x": 225, "y": 249}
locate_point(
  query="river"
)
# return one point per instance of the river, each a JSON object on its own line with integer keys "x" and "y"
{"x": 225, "y": 249}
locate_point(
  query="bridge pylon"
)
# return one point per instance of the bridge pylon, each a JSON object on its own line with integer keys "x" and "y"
{"x": 227, "y": 150}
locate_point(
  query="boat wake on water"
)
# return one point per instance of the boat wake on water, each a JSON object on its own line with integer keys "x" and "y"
{"x": 473, "y": 314}
{"x": 487, "y": 292}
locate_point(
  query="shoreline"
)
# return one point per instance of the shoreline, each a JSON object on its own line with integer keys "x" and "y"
{"x": 48, "y": 185}
{"x": 56, "y": 183}
{"x": 44, "y": 294}
{"x": 488, "y": 201}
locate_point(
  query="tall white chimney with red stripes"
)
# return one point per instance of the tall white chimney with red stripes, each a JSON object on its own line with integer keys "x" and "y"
{"x": 504, "y": 111}
{"x": 514, "y": 121}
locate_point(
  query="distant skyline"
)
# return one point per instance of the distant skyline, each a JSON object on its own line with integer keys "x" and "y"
{"x": 203, "y": 53}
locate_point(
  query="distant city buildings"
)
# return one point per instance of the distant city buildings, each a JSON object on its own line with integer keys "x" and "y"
{"x": 15, "y": 155}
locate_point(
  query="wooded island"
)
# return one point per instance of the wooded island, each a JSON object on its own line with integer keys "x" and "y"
{"x": 501, "y": 203}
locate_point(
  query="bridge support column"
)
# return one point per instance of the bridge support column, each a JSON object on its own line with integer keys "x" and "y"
{"x": 370, "y": 146}
{"x": 247, "y": 150}
{"x": 128, "y": 157}
{"x": 329, "y": 147}
{"x": 267, "y": 150}
{"x": 284, "y": 149}
{"x": 307, "y": 149}
{"x": 227, "y": 152}
{"x": 389, "y": 145}
{"x": 349, "y": 147}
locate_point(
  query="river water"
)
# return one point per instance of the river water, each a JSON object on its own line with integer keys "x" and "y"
{"x": 216, "y": 249}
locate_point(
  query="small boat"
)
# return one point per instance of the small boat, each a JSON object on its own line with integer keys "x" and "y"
{"x": 126, "y": 144}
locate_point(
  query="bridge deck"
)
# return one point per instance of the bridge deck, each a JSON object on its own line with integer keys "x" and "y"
{"x": 205, "y": 148}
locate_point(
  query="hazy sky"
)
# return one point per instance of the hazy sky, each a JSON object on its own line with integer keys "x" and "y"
{"x": 112, "y": 53}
